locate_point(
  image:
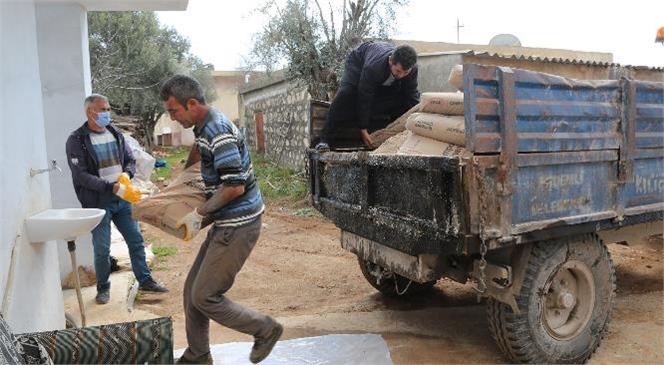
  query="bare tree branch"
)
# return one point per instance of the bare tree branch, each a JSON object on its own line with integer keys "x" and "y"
{"x": 307, "y": 39}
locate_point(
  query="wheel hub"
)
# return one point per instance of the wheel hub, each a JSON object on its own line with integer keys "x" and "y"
{"x": 569, "y": 300}
{"x": 565, "y": 300}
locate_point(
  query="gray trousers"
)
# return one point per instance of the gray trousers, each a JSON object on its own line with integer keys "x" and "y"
{"x": 219, "y": 259}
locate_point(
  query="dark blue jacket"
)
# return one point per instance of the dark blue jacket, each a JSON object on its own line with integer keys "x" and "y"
{"x": 91, "y": 190}
{"x": 367, "y": 68}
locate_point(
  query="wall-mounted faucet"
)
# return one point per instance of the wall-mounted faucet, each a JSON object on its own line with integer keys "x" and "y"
{"x": 54, "y": 166}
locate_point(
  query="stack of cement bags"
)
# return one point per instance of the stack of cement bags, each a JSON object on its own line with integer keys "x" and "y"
{"x": 440, "y": 118}
{"x": 436, "y": 127}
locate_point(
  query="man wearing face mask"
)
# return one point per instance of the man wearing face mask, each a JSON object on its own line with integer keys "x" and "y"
{"x": 102, "y": 167}
{"x": 378, "y": 85}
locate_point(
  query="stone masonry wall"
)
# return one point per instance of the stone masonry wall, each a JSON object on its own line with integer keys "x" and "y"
{"x": 285, "y": 111}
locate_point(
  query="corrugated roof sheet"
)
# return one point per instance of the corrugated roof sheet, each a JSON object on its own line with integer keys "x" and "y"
{"x": 542, "y": 59}
{"x": 559, "y": 60}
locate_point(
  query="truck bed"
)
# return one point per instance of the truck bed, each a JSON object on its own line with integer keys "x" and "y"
{"x": 548, "y": 157}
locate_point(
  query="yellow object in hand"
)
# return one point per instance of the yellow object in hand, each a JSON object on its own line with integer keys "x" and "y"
{"x": 126, "y": 190}
{"x": 124, "y": 179}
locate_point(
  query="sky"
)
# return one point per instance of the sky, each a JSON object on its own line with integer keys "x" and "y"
{"x": 220, "y": 30}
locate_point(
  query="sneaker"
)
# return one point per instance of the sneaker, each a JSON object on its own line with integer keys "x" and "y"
{"x": 205, "y": 359}
{"x": 263, "y": 346}
{"x": 152, "y": 285}
{"x": 322, "y": 147}
{"x": 103, "y": 296}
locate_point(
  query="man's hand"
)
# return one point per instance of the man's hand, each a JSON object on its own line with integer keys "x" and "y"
{"x": 125, "y": 190}
{"x": 124, "y": 179}
{"x": 192, "y": 224}
{"x": 365, "y": 137}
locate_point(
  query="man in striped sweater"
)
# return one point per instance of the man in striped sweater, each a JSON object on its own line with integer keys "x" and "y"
{"x": 235, "y": 203}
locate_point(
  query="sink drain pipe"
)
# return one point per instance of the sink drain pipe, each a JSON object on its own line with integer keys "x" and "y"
{"x": 71, "y": 246}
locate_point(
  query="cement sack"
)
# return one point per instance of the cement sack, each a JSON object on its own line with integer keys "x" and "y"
{"x": 456, "y": 77}
{"x": 424, "y": 146}
{"x": 391, "y": 146}
{"x": 444, "y": 128}
{"x": 442, "y": 103}
{"x": 163, "y": 210}
{"x": 398, "y": 126}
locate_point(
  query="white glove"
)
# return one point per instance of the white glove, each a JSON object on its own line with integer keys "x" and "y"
{"x": 192, "y": 224}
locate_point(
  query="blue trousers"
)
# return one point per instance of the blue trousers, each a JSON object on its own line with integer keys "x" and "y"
{"x": 119, "y": 212}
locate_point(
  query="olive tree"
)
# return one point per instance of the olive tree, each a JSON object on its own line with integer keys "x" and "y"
{"x": 131, "y": 55}
{"x": 312, "y": 38}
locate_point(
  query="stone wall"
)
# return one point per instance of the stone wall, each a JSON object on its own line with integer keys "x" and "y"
{"x": 285, "y": 112}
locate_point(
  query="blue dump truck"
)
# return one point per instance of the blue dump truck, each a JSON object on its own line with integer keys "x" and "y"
{"x": 554, "y": 167}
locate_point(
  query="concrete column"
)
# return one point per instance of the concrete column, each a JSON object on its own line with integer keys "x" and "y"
{"x": 64, "y": 65}
{"x": 29, "y": 286}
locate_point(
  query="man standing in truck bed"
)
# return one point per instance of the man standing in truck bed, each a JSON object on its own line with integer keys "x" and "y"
{"x": 379, "y": 84}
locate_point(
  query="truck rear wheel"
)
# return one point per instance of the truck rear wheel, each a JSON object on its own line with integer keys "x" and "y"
{"x": 565, "y": 302}
{"x": 389, "y": 283}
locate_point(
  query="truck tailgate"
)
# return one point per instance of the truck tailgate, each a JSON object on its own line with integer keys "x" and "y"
{"x": 411, "y": 203}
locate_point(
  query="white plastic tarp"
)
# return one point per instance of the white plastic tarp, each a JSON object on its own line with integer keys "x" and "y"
{"x": 329, "y": 349}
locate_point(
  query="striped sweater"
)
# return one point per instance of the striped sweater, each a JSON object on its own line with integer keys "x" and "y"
{"x": 225, "y": 160}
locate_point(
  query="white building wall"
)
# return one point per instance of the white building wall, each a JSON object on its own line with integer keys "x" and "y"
{"x": 62, "y": 32}
{"x": 187, "y": 137}
{"x": 45, "y": 76}
{"x": 166, "y": 124}
{"x": 30, "y": 279}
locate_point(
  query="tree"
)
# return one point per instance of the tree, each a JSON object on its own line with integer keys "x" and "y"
{"x": 313, "y": 43}
{"x": 131, "y": 55}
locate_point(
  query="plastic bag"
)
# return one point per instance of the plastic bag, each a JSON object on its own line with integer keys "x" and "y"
{"x": 144, "y": 161}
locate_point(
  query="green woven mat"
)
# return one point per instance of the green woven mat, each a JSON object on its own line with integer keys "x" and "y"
{"x": 149, "y": 341}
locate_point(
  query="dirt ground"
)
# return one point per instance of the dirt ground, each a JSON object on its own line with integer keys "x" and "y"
{"x": 299, "y": 274}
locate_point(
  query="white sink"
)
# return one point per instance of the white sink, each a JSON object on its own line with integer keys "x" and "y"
{"x": 62, "y": 224}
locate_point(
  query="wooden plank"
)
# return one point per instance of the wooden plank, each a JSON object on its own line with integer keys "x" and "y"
{"x": 521, "y": 228}
{"x": 551, "y": 113}
{"x": 543, "y": 142}
{"x": 627, "y": 145}
{"x": 565, "y": 158}
{"x": 470, "y": 72}
{"x": 507, "y": 177}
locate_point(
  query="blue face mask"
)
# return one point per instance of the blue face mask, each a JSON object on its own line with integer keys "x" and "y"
{"x": 103, "y": 119}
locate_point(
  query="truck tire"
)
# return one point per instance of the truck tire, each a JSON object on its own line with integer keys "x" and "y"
{"x": 565, "y": 301}
{"x": 389, "y": 283}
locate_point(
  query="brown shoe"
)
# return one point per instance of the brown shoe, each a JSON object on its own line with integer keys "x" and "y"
{"x": 205, "y": 359}
{"x": 263, "y": 346}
